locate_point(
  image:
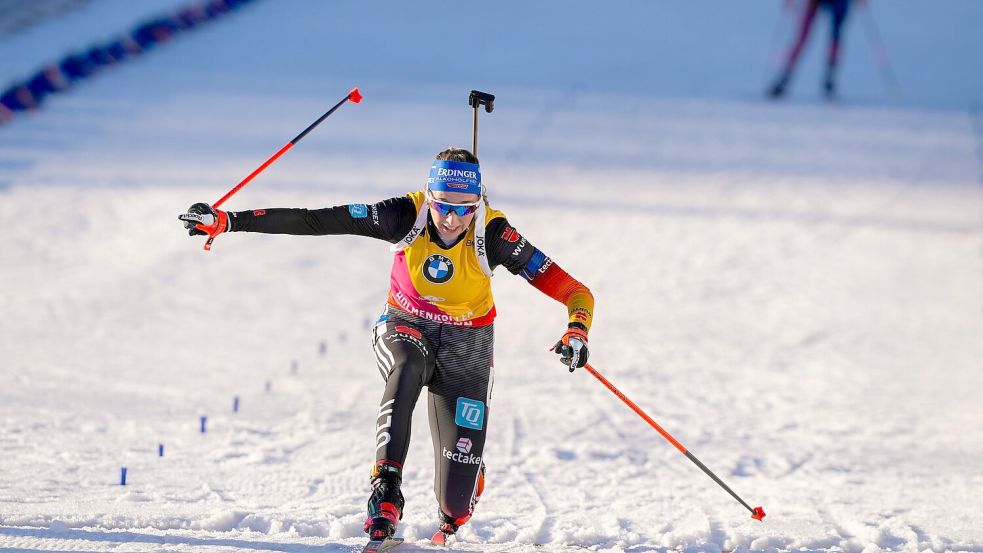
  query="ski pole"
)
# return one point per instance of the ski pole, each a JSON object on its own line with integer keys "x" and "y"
{"x": 353, "y": 96}
{"x": 879, "y": 52}
{"x": 757, "y": 513}
{"x": 778, "y": 53}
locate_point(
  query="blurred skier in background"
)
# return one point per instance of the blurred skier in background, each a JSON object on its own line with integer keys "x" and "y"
{"x": 838, "y": 10}
{"x": 436, "y": 330}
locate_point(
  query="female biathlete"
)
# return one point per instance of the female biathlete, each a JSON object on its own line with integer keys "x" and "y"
{"x": 437, "y": 329}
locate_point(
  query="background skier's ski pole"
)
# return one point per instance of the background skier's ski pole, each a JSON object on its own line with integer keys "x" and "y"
{"x": 879, "y": 52}
{"x": 757, "y": 513}
{"x": 354, "y": 96}
{"x": 778, "y": 54}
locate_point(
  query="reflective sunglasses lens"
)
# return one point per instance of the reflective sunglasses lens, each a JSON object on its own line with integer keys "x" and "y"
{"x": 443, "y": 209}
{"x": 459, "y": 210}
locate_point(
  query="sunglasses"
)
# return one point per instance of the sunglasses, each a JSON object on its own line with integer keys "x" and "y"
{"x": 446, "y": 208}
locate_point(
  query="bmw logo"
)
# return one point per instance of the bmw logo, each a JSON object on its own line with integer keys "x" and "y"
{"x": 438, "y": 269}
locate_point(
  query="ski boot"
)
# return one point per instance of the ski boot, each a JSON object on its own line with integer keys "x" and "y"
{"x": 829, "y": 86}
{"x": 777, "y": 90}
{"x": 448, "y": 525}
{"x": 385, "y": 507}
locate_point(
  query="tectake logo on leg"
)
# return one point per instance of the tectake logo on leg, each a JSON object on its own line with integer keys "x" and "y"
{"x": 470, "y": 413}
{"x": 464, "y": 445}
{"x": 465, "y": 458}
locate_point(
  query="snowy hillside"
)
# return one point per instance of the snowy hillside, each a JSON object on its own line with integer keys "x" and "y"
{"x": 794, "y": 290}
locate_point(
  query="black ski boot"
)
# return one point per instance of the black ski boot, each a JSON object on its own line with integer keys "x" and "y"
{"x": 385, "y": 507}
{"x": 777, "y": 90}
{"x": 829, "y": 84}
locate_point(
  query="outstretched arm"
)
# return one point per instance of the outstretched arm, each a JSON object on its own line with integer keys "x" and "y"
{"x": 388, "y": 220}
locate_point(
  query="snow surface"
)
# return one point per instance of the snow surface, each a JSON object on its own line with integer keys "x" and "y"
{"x": 794, "y": 290}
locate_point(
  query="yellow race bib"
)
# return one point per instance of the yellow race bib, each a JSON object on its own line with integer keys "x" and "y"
{"x": 443, "y": 285}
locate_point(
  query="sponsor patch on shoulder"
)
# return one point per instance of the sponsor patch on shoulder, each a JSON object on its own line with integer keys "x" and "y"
{"x": 259, "y": 212}
{"x": 358, "y": 211}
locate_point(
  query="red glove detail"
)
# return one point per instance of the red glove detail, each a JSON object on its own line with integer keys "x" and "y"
{"x": 573, "y": 332}
{"x": 221, "y": 223}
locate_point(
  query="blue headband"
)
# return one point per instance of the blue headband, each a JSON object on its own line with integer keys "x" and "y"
{"x": 454, "y": 176}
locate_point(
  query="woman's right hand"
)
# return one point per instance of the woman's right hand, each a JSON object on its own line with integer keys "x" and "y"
{"x": 204, "y": 220}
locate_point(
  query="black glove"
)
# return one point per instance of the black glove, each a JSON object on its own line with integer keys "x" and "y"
{"x": 572, "y": 347}
{"x": 204, "y": 220}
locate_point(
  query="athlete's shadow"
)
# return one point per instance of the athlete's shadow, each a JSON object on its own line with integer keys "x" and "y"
{"x": 110, "y": 537}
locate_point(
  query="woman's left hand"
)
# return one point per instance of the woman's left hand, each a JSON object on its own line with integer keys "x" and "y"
{"x": 572, "y": 348}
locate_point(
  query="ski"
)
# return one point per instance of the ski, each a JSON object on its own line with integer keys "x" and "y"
{"x": 381, "y": 546}
{"x": 439, "y": 538}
